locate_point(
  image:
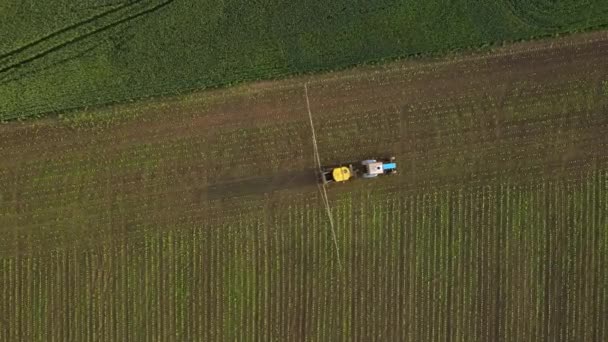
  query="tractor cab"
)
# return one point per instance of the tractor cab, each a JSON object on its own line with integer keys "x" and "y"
{"x": 373, "y": 168}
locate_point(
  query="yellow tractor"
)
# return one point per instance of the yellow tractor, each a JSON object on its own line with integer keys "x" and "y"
{"x": 370, "y": 168}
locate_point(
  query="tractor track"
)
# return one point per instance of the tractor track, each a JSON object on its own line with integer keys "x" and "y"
{"x": 66, "y": 29}
{"x": 61, "y": 45}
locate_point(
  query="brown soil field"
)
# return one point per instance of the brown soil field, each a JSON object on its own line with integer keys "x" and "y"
{"x": 198, "y": 217}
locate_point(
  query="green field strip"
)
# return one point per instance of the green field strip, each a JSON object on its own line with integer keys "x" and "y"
{"x": 460, "y": 297}
{"x": 4, "y": 300}
{"x": 138, "y": 50}
{"x": 604, "y": 246}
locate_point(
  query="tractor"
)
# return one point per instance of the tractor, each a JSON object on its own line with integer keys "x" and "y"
{"x": 367, "y": 169}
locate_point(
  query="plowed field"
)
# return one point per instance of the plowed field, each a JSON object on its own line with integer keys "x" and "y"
{"x": 198, "y": 217}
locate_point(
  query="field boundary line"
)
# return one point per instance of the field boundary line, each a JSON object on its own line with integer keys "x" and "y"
{"x": 322, "y": 189}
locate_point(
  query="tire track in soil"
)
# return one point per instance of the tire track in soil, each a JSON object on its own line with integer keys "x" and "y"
{"x": 65, "y": 30}
{"x": 15, "y": 77}
{"x": 26, "y": 60}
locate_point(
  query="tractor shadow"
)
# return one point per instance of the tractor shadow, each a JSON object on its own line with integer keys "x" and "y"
{"x": 260, "y": 185}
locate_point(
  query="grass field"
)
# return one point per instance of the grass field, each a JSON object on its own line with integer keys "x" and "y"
{"x": 198, "y": 218}
{"x": 60, "y": 54}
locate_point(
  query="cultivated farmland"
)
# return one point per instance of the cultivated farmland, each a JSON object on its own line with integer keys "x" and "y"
{"x": 196, "y": 218}
{"x": 61, "y": 54}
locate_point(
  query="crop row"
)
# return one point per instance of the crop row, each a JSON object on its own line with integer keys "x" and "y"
{"x": 495, "y": 262}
